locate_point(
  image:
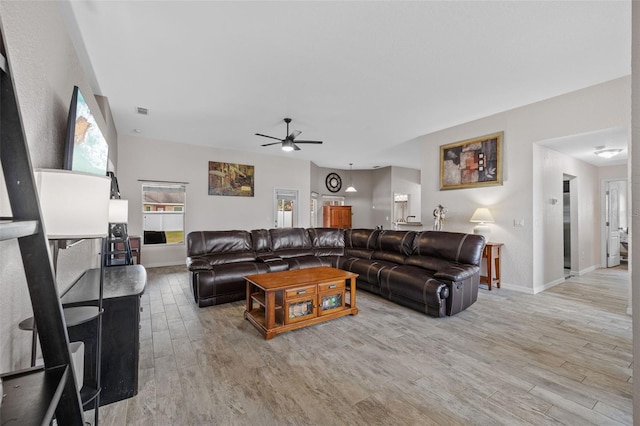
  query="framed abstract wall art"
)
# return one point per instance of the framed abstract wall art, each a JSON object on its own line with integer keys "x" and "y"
{"x": 472, "y": 163}
{"x": 231, "y": 179}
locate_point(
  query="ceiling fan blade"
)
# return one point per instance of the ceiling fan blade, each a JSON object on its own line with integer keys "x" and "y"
{"x": 318, "y": 142}
{"x": 269, "y": 144}
{"x": 267, "y": 136}
{"x": 296, "y": 147}
{"x": 294, "y": 134}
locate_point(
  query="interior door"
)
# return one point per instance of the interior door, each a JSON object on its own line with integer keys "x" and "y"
{"x": 285, "y": 208}
{"x": 613, "y": 225}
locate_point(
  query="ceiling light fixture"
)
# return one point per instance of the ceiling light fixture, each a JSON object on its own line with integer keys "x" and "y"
{"x": 607, "y": 153}
{"x": 350, "y": 188}
{"x": 287, "y": 145}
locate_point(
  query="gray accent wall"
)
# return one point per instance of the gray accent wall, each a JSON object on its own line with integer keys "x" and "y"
{"x": 45, "y": 67}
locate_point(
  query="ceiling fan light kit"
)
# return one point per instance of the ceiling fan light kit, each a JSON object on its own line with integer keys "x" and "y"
{"x": 288, "y": 143}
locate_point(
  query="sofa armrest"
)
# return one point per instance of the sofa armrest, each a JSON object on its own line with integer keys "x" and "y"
{"x": 197, "y": 263}
{"x": 457, "y": 272}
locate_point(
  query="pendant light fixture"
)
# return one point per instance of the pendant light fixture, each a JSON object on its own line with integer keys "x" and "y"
{"x": 350, "y": 188}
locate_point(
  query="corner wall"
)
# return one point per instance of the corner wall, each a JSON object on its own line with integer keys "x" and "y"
{"x": 521, "y": 196}
{"x": 586, "y": 218}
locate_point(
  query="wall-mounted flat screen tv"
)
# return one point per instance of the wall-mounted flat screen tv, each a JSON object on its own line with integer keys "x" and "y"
{"x": 86, "y": 148}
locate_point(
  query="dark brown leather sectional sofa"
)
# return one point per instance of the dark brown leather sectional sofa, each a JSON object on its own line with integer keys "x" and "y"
{"x": 434, "y": 272}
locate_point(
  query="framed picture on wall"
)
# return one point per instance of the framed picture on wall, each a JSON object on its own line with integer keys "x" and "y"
{"x": 472, "y": 163}
{"x": 231, "y": 179}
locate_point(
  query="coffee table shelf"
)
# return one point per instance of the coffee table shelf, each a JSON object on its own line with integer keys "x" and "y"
{"x": 309, "y": 296}
{"x": 259, "y": 298}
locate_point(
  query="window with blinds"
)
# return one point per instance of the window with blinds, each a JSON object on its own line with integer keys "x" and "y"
{"x": 163, "y": 208}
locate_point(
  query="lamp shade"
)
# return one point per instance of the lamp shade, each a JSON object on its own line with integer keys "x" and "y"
{"x": 118, "y": 211}
{"x": 482, "y": 215}
{"x": 73, "y": 204}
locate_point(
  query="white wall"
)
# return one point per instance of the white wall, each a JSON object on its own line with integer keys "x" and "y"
{"x": 382, "y": 198}
{"x": 521, "y": 197}
{"x": 586, "y": 239}
{"x": 141, "y": 158}
{"x": 634, "y": 174}
{"x": 407, "y": 181}
{"x": 360, "y": 201}
{"x": 614, "y": 172}
{"x": 45, "y": 67}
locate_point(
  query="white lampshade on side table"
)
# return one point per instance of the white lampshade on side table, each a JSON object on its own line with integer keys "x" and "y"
{"x": 74, "y": 205}
{"x": 482, "y": 216}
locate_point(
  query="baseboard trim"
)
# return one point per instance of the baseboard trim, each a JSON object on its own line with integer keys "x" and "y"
{"x": 519, "y": 288}
{"x": 548, "y": 285}
{"x": 589, "y": 269}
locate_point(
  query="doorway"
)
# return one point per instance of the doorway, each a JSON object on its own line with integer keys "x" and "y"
{"x": 285, "y": 208}
{"x": 615, "y": 222}
{"x": 569, "y": 224}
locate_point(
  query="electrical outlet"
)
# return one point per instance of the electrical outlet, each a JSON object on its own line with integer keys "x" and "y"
{"x": 518, "y": 223}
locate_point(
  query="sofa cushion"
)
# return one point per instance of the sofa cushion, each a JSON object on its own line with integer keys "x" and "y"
{"x": 403, "y": 282}
{"x": 226, "y": 279}
{"x": 394, "y": 246}
{"x": 218, "y": 247}
{"x": 261, "y": 240}
{"x": 207, "y": 242}
{"x": 427, "y": 262}
{"x": 290, "y": 242}
{"x": 360, "y": 242}
{"x": 358, "y": 252}
{"x": 311, "y": 261}
{"x": 452, "y": 246}
{"x": 396, "y": 241}
{"x": 361, "y": 238}
{"x": 327, "y": 241}
{"x": 368, "y": 270}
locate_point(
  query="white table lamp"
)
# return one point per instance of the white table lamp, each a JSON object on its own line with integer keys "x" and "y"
{"x": 74, "y": 205}
{"x": 482, "y": 216}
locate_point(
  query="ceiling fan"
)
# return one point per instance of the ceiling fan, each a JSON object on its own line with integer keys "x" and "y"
{"x": 288, "y": 142}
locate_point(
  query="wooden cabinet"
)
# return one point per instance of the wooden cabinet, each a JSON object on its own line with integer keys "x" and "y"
{"x": 119, "y": 355}
{"x": 336, "y": 216}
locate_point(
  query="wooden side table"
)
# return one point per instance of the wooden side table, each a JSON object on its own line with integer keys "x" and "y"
{"x": 492, "y": 253}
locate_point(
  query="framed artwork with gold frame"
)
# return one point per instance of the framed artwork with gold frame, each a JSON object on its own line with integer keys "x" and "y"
{"x": 472, "y": 162}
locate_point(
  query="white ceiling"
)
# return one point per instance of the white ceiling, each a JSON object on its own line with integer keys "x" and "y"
{"x": 367, "y": 78}
{"x": 583, "y": 146}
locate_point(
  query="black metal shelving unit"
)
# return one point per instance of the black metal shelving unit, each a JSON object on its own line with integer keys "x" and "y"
{"x": 35, "y": 395}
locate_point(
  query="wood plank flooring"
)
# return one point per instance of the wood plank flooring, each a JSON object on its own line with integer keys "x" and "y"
{"x": 563, "y": 356}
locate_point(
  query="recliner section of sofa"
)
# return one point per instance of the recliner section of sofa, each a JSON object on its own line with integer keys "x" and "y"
{"x": 434, "y": 272}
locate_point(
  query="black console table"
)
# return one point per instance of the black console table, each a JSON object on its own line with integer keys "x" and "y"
{"x": 123, "y": 286}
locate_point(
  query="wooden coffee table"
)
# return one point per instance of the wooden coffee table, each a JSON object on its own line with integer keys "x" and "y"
{"x": 288, "y": 300}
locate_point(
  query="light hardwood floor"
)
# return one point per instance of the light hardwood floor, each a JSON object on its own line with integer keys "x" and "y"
{"x": 563, "y": 356}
